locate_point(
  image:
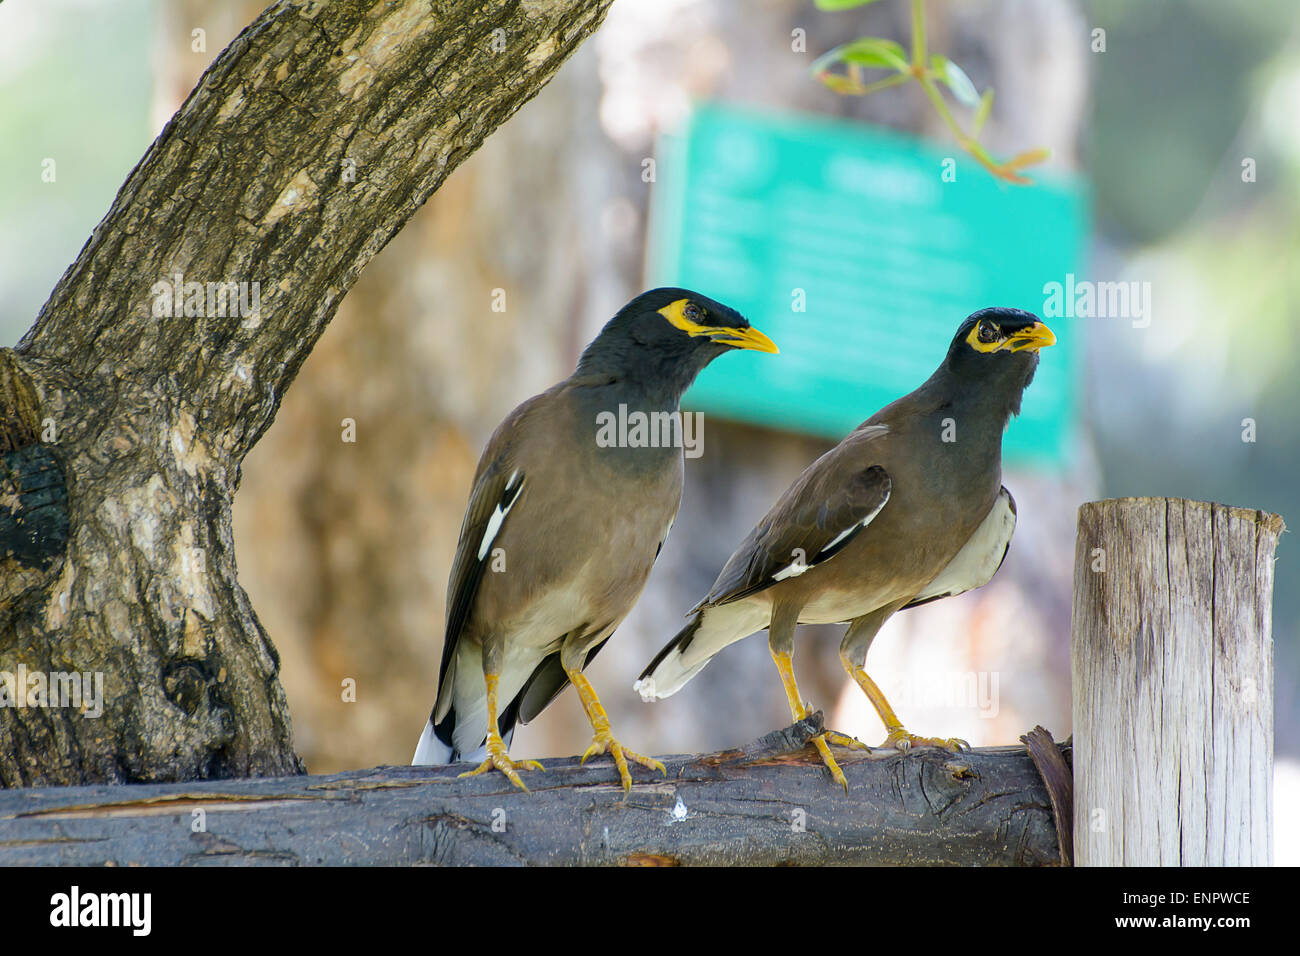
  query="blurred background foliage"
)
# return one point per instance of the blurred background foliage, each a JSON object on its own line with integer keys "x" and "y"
{"x": 1190, "y": 89}
{"x": 345, "y": 549}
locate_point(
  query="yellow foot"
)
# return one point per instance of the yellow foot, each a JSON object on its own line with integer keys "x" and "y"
{"x": 844, "y": 740}
{"x": 824, "y": 749}
{"x": 498, "y": 758}
{"x": 605, "y": 743}
{"x": 900, "y": 739}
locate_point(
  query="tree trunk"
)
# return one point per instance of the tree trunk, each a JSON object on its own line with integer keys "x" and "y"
{"x": 305, "y": 147}
{"x": 1173, "y": 683}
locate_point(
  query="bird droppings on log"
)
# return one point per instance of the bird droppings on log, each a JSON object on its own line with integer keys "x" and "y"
{"x": 743, "y": 806}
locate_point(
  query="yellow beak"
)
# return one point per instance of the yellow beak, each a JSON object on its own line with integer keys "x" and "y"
{"x": 749, "y": 338}
{"x": 1036, "y": 336}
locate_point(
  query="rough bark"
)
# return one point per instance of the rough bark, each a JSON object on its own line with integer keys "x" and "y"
{"x": 769, "y": 803}
{"x": 304, "y": 148}
{"x": 1172, "y": 651}
{"x": 345, "y": 548}
{"x": 1052, "y": 766}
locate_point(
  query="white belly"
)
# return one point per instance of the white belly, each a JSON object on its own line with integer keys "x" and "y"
{"x": 833, "y": 607}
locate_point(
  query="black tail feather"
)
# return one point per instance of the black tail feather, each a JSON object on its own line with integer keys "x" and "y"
{"x": 681, "y": 640}
{"x": 446, "y": 730}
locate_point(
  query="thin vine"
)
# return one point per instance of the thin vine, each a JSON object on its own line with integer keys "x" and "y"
{"x": 929, "y": 70}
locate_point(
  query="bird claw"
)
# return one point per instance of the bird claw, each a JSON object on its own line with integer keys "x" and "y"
{"x": 844, "y": 740}
{"x": 605, "y": 743}
{"x": 500, "y": 760}
{"x": 828, "y": 758}
{"x": 902, "y": 741}
{"x": 803, "y": 712}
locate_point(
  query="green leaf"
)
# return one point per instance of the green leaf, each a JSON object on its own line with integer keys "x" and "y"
{"x": 957, "y": 80}
{"x": 840, "y": 84}
{"x": 869, "y": 51}
{"x": 841, "y": 4}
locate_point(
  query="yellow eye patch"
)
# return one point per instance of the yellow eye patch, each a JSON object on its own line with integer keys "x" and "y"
{"x": 1036, "y": 336}
{"x": 975, "y": 342}
{"x": 675, "y": 313}
{"x": 747, "y": 338}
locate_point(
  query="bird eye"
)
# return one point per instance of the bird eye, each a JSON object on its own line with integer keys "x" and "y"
{"x": 988, "y": 333}
{"x": 692, "y": 312}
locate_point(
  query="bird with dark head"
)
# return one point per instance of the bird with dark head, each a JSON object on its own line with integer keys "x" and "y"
{"x": 563, "y": 527}
{"x": 663, "y": 357}
{"x": 908, "y": 509}
{"x": 1012, "y": 338}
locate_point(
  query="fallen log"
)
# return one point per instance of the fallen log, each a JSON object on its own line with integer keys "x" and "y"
{"x": 769, "y": 803}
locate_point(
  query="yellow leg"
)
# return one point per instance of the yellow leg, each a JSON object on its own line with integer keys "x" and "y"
{"x": 496, "y": 747}
{"x": 896, "y": 737}
{"x": 602, "y": 740}
{"x": 799, "y": 710}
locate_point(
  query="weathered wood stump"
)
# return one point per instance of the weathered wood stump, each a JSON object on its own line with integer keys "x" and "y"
{"x": 1172, "y": 654}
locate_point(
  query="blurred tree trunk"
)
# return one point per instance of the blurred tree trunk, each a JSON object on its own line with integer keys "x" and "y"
{"x": 303, "y": 150}
{"x": 346, "y": 547}
{"x": 1033, "y": 54}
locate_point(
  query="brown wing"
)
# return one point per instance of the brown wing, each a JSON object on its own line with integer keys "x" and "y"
{"x": 498, "y": 482}
{"x": 490, "y": 502}
{"x": 826, "y": 508}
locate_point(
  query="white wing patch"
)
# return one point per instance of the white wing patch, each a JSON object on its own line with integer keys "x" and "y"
{"x": 980, "y": 557}
{"x": 840, "y": 537}
{"x": 830, "y": 549}
{"x": 796, "y": 568}
{"x": 508, "y": 498}
{"x": 793, "y": 570}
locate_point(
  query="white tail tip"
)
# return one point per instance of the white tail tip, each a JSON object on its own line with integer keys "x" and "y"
{"x": 646, "y": 688}
{"x": 430, "y": 751}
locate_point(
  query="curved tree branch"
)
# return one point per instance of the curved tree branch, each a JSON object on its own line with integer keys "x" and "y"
{"x": 304, "y": 148}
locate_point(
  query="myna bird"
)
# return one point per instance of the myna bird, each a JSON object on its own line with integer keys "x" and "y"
{"x": 565, "y": 519}
{"x": 909, "y": 508}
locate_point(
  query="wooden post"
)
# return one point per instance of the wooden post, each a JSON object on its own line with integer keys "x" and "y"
{"x": 1172, "y": 655}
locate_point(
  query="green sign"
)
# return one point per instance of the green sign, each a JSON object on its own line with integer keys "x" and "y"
{"x": 852, "y": 250}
